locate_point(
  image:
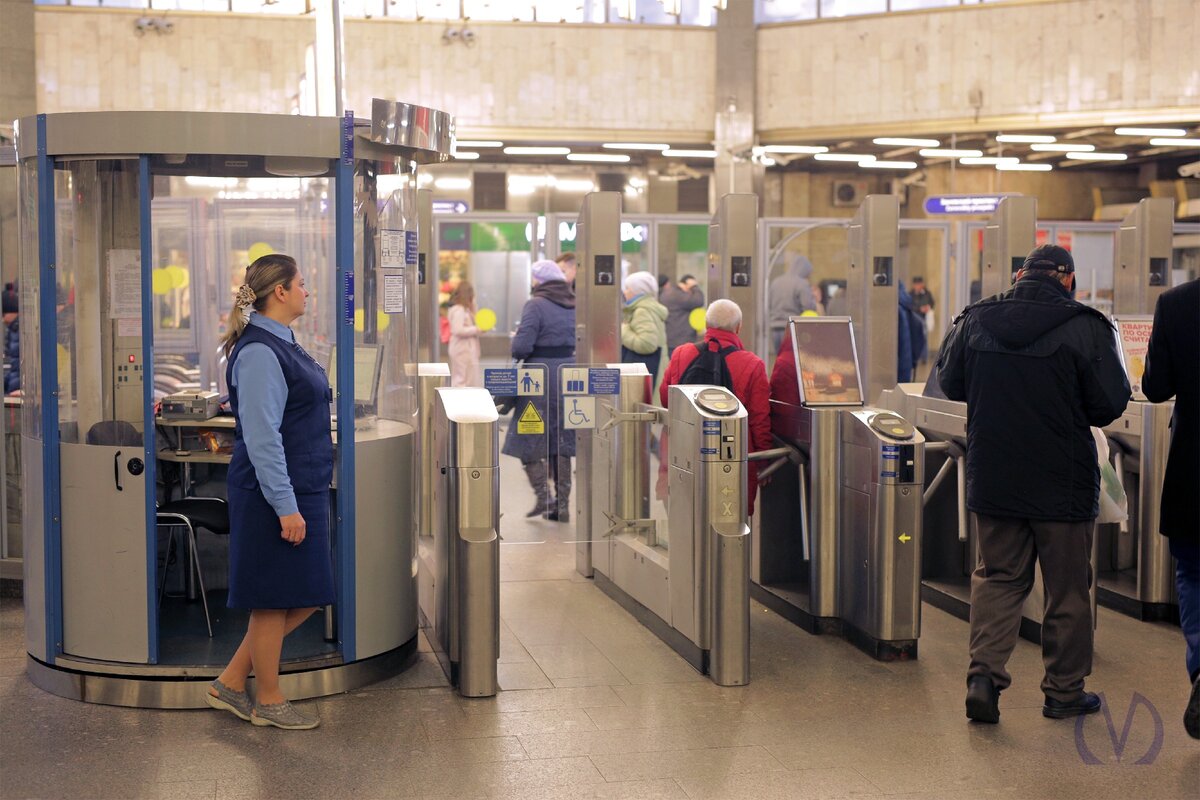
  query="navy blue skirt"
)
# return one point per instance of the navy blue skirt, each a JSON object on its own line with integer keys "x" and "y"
{"x": 267, "y": 572}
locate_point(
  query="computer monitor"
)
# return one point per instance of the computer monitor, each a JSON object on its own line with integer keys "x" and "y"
{"x": 368, "y": 363}
{"x": 826, "y": 361}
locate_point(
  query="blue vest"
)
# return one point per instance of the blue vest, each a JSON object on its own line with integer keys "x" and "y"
{"x": 307, "y": 445}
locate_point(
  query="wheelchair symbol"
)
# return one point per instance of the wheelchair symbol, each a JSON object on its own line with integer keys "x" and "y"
{"x": 577, "y": 417}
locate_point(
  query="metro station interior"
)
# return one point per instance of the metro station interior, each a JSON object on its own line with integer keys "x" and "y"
{"x": 696, "y": 606}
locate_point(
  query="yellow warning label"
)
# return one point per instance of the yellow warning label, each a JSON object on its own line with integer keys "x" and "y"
{"x": 530, "y": 421}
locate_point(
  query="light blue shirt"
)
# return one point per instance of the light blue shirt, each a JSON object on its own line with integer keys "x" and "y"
{"x": 262, "y": 395}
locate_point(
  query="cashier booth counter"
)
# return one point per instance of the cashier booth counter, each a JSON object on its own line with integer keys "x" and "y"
{"x": 136, "y": 228}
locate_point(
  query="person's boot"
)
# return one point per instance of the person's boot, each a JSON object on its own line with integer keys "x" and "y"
{"x": 536, "y": 472}
{"x": 983, "y": 699}
{"x": 561, "y": 511}
{"x": 1191, "y": 715}
{"x": 1086, "y": 703}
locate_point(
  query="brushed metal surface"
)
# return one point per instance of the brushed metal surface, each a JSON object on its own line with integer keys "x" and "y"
{"x": 872, "y": 297}
{"x": 1011, "y": 233}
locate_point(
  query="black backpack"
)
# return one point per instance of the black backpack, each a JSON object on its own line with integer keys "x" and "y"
{"x": 709, "y": 367}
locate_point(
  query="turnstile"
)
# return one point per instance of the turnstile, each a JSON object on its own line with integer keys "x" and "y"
{"x": 879, "y": 562}
{"x": 463, "y": 557}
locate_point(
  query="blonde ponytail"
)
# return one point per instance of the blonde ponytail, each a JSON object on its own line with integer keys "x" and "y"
{"x": 262, "y": 277}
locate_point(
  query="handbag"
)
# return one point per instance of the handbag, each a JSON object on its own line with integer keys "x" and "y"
{"x": 649, "y": 359}
{"x": 1114, "y": 504}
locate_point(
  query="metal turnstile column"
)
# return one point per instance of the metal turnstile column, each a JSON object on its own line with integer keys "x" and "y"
{"x": 1010, "y": 235}
{"x": 427, "y": 316}
{"x": 732, "y": 239}
{"x": 466, "y": 548}
{"x": 872, "y": 292}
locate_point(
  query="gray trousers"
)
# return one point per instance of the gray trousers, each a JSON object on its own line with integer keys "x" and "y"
{"x": 1004, "y": 577}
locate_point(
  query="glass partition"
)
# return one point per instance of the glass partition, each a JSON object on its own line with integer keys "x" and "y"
{"x": 923, "y": 254}
{"x": 30, "y": 299}
{"x": 788, "y": 245}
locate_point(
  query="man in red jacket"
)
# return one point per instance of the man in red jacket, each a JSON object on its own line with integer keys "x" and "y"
{"x": 749, "y": 374}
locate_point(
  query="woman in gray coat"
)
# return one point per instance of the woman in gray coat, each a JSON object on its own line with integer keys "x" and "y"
{"x": 546, "y": 336}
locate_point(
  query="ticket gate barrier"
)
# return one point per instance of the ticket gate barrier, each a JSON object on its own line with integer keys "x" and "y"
{"x": 879, "y": 550}
{"x": 463, "y": 558}
{"x": 691, "y": 585}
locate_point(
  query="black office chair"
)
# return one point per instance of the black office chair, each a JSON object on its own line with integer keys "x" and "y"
{"x": 190, "y": 513}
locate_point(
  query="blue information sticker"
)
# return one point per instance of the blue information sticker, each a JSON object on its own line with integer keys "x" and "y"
{"x": 602, "y": 380}
{"x": 712, "y": 425}
{"x": 708, "y": 451}
{"x": 887, "y": 474}
{"x": 892, "y": 456}
{"x": 410, "y": 248}
{"x": 891, "y": 448}
{"x": 348, "y": 296}
{"x": 500, "y": 382}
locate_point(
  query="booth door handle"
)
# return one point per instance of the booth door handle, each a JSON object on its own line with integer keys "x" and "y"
{"x": 117, "y": 471}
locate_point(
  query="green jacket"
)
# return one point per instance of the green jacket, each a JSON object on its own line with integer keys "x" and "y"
{"x": 644, "y": 330}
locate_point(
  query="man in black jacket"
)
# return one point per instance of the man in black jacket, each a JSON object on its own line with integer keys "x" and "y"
{"x": 1173, "y": 369}
{"x": 1036, "y": 369}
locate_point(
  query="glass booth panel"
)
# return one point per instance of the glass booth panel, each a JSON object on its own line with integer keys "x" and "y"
{"x": 819, "y": 245}
{"x": 1093, "y": 251}
{"x": 635, "y": 244}
{"x": 922, "y": 255}
{"x": 1185, "y": 254}
{"x": 30, "y": 297}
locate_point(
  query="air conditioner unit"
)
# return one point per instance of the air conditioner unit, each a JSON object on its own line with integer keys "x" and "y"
{"x": 849, "y": 194}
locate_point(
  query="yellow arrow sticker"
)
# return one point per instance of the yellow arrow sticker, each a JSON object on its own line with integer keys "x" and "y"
{"x": 904, "y": 537}
{"x": 531, "y": 421}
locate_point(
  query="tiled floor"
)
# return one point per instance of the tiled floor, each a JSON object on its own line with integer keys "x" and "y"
{"x": 594, "y": 706}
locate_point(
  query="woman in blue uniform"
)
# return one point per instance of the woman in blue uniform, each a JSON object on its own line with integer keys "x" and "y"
{"x": 279, "y": 559}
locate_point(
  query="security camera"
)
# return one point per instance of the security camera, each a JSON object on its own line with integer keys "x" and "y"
{"x": 166, "y": 26}
{"x": 468, "y": 36}
{"x": 143, "y": 24}
{"x": 450, "y": 35}
{"x": 1191, "y": 170}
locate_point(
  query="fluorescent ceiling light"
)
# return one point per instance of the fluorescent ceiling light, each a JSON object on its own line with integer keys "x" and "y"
{"x": 1025, "y": 138}
{"x": 1175, "y": 142}
{"x": 792, "y": 149}
{"x": 635, "y": 146}
{"x": 900, "y": 141}
{"x": 690, "y": 153}
{"x": 521, "y": 189}
{"x": 1097, "y": 156}
{"x": 843, "y": 157}
{"x": 477, "y": 143}
{"x": 598, "y": 158}
{"x": 536, "y": 151}
{"x": 988, "y": 161}
{"x": 574, "y": 185}
{"x": 1150, "y": 132}
{"x": 452, "y": 183}
{"x": 464, "y": 155}
{"x": 948, "y": 153}
{"x": 1016, "y": 167}
{"x": 888, "y": 164}
{"x": 1063, "y": 148}
{"x": 767, "y": 161}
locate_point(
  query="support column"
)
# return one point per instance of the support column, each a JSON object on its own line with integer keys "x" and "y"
{"x": 736, "y": 67}
{"x": 18, "y": 98}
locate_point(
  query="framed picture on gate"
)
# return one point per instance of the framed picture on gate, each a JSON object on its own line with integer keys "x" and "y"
{"x": 826, "y": 361}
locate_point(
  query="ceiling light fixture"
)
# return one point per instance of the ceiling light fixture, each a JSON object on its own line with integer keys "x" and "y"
{"x": 690, "y": 153}
{"x": 1018, "y": 167}
{"x": 988, "y": 161}
{"x": 452, "y": 184}
{"x": 536, "y": 151}
{"x": 900, "y": 141}
{"x": 1175, "y": 142}
{"x": 792, "y": 149}
{"x": 465, "y": 155}
{"x": 843, "y": 157}
{"x": 949, "y": 153}
{"x": 599, "y": 158}
{"x": 1150, "y": 132}
{"x": 634, "y": 146}
{"x": 1097, "y": 156}
{"x": 574, "y": 185}
{"x": 888, "y": 164}
{"x": 1025, "y": 138}
{"x": 1062, "y": 148}
{"x": 477, "y": 143}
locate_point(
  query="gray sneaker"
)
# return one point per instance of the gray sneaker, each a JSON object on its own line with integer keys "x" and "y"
{"x": 226, "y": 699}
{"x": 284, "y": 715}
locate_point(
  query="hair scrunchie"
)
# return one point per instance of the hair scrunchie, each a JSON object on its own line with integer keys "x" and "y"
{"x": 245, "y": 299}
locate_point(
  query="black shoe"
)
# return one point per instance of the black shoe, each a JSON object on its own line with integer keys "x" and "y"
{"x": 559, "y": 516}
{"x": 1086, "y": 703}
{"x": 1191, "y": 715}
{"x": 539, "y": 510}
{"x": 983, "y": 699}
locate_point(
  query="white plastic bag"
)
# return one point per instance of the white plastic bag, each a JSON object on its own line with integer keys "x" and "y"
{"x": 1114, "y": 505}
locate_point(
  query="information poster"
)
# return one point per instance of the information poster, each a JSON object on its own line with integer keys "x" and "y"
{"x": 392, "y": 245}
{"x": 827, "y": 362}
{"x": 125, "y": 284}
{"x": 394, "y": 292}
{"x": 1133, "y": 333}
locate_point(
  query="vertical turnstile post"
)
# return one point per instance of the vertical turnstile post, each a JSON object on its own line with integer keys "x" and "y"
{"x": 1010, "y": 235}
{"x": 597, "y": 339}
{"x": 732, "y": 239}
{"x": 824, "y": 456}
{"x": 427, "y": 315}
{"x": 430, "y": 378}
{"x": 872, "y": 292}
{"x": 1142, "y": 256}
{"x": 467, "y": 538}
{"x": 631, "y": 457}
{"x": 710, "y": 563}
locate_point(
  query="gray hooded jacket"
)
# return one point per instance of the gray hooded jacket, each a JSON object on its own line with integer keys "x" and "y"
{"x": 791, "y": 293}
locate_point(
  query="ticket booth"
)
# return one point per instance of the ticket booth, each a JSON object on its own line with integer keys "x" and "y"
{"x": 136, "y": 229}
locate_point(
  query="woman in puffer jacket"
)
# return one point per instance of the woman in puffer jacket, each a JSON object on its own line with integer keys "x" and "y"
{"x": 644, "y": 326}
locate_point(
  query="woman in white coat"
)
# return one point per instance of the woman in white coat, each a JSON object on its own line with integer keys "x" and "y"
{"x": 464, "y": 337}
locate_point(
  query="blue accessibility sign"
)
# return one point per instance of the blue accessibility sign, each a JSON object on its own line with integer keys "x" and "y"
{"x": 500, "y": 382}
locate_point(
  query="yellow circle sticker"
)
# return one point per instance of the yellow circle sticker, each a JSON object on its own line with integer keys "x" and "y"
{"x": 258, "y": 250}
{"x": 160, "y": 281}
{"x": 696, "y": 319}
{"x": 382, "y": 321}
{"x": 485, "y": 319}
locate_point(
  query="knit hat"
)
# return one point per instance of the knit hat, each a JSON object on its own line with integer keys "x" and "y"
{"x": 546, "y": 270}
{"x": 641, "y": 283}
